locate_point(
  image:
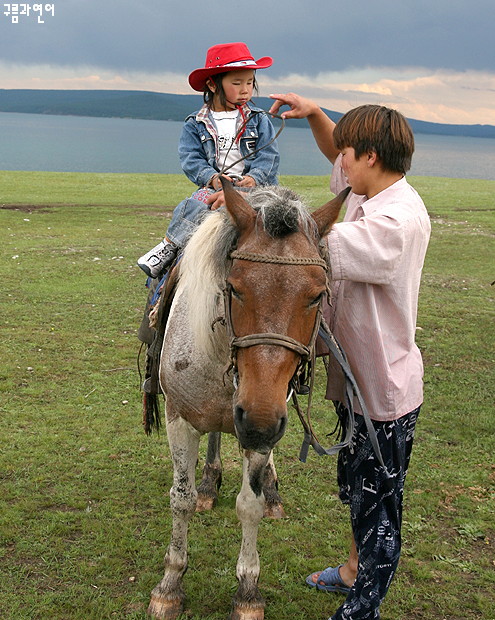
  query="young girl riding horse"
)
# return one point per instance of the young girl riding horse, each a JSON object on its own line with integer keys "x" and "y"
{"x": 216, "y": 137}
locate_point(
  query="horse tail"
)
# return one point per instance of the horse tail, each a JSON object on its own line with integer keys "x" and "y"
{"x": 151, "y": 413}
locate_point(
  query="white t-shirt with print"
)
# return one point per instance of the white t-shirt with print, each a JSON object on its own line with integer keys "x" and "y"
{"x": 228, "y": 149}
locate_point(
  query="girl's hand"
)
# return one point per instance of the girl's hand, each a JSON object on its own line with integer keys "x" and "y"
{"x": 215, "y": 182}
{"x": 216, "y": 200}
{"x": 246, "y": 181}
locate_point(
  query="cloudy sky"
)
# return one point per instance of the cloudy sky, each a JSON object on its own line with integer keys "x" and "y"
{"x": 432, "y": 59}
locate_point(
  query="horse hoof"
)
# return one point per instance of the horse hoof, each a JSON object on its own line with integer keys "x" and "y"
{"x": 274, "y": 511}
{"x": 164, "y": 609}
{"x": 205, "y": 503}
{"x": 245, "y": 612}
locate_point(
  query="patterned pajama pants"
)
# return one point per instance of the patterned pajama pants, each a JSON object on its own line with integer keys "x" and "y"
{"x": 376, "y": 511}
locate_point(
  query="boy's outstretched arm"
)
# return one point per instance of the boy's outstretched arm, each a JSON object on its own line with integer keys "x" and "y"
{"x": 321, "y": 126}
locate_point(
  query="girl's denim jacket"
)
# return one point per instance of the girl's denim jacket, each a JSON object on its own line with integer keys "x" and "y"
{"x": 198, "y": 147}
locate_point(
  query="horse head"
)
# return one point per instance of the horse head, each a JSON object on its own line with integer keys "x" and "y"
{"x": 274, "y": 291}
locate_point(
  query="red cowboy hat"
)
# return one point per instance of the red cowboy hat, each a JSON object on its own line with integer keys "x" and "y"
{"x": 226, "y": 57}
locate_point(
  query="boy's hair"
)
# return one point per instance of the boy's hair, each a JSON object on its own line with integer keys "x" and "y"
{"x": 379, "y": 129}
{"x": 217, "y": 80}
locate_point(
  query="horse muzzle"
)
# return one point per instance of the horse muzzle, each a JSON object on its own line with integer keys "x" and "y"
{"x": 254, "y": 436}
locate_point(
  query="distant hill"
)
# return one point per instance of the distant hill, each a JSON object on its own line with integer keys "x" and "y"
{"x": 167, "y": 107}
{"x": 106, "y": 103}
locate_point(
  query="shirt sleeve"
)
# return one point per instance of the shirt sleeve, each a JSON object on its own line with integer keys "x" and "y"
{"x": 367, "y": 250}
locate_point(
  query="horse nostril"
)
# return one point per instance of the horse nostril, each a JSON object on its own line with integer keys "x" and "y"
{"x": 239, "y": 415}
{"x": 281, "y": 426}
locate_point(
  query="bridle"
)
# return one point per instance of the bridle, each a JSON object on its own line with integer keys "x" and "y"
{"x": 305, "y": 352}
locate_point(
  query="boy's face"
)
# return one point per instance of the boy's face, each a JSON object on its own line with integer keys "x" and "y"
{"x": 359, "y": 172}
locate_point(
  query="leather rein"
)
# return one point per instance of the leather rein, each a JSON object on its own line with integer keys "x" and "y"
{"x": 241, "y": 342}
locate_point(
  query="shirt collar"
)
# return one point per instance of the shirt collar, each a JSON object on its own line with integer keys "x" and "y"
{"x": 202, "y": 115}
{"x": 369, "y": 205}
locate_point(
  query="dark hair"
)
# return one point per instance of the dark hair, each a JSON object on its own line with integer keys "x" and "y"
{"x": 379, "y": 129}
{"x": 217, "y": 79}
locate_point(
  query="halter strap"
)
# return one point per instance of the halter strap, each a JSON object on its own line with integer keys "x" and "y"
{"x": 278, "y": 340}
{"x": 270, "y": 338}
{"x": 280, "y": 260}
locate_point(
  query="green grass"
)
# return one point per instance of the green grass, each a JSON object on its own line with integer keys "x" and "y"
{"x": 84, "y": 517}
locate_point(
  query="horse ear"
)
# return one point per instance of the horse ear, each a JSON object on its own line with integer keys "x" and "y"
{"x": 238, "y": 208}
{"x": 326, "y": 216}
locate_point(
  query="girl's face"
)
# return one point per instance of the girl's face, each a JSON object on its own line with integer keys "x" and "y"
{"x": 237, "y": 87}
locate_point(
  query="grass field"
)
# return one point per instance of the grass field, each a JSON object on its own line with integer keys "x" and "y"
{"x": 84, "y": 517}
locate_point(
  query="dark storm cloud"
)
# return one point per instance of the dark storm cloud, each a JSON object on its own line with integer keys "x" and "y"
{"x": 303, "y": 37}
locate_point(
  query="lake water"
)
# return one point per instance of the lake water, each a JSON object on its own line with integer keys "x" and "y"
{"x": 87, "y": 144}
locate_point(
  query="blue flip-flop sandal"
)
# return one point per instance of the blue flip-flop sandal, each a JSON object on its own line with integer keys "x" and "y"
{"x": 331, "y": 581}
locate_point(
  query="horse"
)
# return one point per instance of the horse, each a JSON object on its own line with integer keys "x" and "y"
{"x": 242, "y": 323}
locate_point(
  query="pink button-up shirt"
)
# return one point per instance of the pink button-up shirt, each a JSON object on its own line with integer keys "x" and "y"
{"x": 376, "y": 257}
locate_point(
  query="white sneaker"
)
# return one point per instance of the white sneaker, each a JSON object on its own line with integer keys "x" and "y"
{"x": 158, "y": 259}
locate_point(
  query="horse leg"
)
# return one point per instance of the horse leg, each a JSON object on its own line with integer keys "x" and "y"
{"x": 167, "y": 598}
{"x": 248, "y": 604}
{"x": 273, "y": 501}
{"x": 212, "y": 480}
{"x": 212, "y": 475}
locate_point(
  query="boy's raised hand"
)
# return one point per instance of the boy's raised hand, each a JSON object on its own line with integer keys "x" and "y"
{"x": 300, "y": 107}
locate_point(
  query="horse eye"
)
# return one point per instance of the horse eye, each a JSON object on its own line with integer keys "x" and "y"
{"x": 316, "y": 301}
{"x": 235, "y": 294}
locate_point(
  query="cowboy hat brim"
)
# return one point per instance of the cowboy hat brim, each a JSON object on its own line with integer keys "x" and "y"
{"x": 197, "y": 79}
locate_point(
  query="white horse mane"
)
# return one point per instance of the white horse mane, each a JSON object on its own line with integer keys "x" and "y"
{"x": 204, "y": 264}
{"x": 201, "y": 281}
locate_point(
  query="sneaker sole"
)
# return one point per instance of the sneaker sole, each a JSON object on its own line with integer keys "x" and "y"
{"x": 146, "y": 269}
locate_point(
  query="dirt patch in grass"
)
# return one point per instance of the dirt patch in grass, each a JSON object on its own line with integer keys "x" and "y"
{"x": 46, "y": 208}
{"x": 27, "y": 208}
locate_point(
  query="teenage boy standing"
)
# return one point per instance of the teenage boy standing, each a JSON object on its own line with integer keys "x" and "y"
{"x": 376, "y": 258}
